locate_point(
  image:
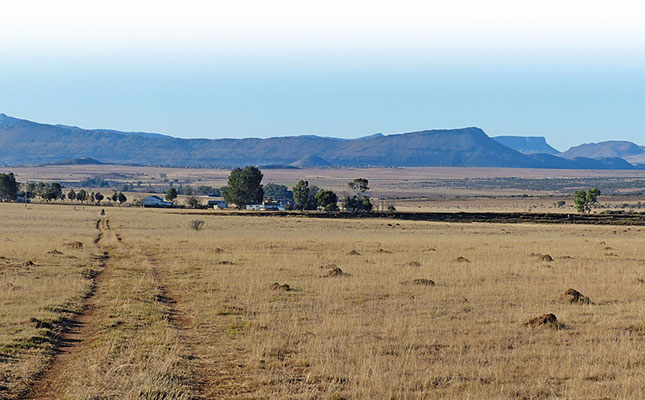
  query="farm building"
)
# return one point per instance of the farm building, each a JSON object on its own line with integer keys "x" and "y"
{"x": 217, "y": 204}
{"x": 266, "y": 206}
{"x": 155, "y": 201}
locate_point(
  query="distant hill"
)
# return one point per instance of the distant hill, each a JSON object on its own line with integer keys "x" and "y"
{"x": 76, "y": 161}
{"x": 628, "y": 151}
{"x": 24, "y": 142}
{"x": 582, "y": 162}
{"x": 527, "y": 144}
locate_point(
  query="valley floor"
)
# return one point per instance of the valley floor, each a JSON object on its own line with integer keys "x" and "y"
{"x": 136, "y": 304}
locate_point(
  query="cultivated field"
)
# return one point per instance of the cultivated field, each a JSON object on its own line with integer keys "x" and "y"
{"x": 149, "y": 308}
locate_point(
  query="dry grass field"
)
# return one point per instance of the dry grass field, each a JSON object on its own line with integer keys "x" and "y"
{"x": 149, "y": 308}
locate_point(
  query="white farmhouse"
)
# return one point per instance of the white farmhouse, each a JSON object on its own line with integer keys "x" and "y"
{"x": 155, "y": 201}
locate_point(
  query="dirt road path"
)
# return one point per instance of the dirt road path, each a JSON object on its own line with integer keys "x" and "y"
{"x": 79, "y": 329}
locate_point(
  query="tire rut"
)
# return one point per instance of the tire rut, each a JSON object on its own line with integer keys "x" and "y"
{"x": 78, "y": 329}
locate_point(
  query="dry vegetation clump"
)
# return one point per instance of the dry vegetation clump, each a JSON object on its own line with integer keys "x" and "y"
{"x": 383, "y": 251}
{"x": 419, "y": 281}
{"x": 572, "y": 296}
{"x": 74, "y": 244}
{"x": 335, "y": 272}
{"x": 461, "y": 259}
{"x": 28, "y": 263}
{"x": 197, "y": 224}
{"x": 639, "y": 281}
{"x": 278, "y": 286}
{"x": 353, "y": 253}
{"x": 547, "y": 320}
{"x": 226, "y": 262}
{"x": 55, "y": 252}
{"x": 412, "y": 264}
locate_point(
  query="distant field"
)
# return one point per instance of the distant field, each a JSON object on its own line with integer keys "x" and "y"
{"x": 150, "y": 308}
{"x": 432, "y": 189}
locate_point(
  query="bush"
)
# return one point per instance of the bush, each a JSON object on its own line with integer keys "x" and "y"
{"x": 197, "y": 224}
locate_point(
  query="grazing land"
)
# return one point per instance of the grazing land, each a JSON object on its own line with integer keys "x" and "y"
{"x": 146, "y": 306}
{"x": 409, "y": 189}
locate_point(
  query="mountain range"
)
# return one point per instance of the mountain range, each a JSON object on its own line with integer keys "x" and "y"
{"x": 25, "y": 142}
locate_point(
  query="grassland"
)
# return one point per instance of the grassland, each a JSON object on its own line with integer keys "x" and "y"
{"x": 177, "y": 313}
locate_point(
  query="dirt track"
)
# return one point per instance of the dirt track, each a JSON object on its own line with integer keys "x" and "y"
{"x": 78, "y": 330}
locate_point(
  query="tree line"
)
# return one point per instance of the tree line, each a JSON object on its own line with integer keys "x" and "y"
{"x": 245, "y": 187}
{"x": 10, "y": 190}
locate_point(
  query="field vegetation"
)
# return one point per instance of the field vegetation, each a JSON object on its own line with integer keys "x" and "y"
{"x": 273, "y": 308}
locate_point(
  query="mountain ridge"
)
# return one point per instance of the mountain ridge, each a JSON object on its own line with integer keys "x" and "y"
{"x": 26, "y": 142}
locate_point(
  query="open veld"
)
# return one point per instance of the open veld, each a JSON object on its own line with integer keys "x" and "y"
{"x": 138, "y": 305}
{"x": 409, "y": 189}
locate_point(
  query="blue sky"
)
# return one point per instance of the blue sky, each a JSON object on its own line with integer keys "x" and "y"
{"x": 205, "y": 70}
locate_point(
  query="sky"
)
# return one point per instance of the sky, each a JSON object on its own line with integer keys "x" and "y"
{"x": 572, "y": 71}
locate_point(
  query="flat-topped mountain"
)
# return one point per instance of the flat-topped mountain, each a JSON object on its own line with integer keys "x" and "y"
{"x": 24, "y": 142}
{"x": 527, "y": 144}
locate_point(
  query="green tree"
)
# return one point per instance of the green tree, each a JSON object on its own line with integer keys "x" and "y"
{"x": 301, "y": 194}
{"x": 71, "y": 195}
{"x": 585, "y": 200}
{"x": 115, "y": 196}
{"x": 359, "y": 185}
{"x": 274, "y": 191}
{"x": 98, "y": 197}
{"x": 171, "y": 194}
{"x": 122, "y": 199}
{"x": 193, "y": 202}
{"x": 53, "y": 191}
{"x": 360, "y": 201}
{"x": 81, "y": 195}
{"x": 8, "y": 187}
{"x": 244, "y": 187}
{"x": 30, "y": 190}
{"x": 41, "y": 189}
{"x": 327, "y": 200}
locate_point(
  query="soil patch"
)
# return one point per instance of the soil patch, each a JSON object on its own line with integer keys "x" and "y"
{"x": 335, "y": 272}
{"x": 420, "y": 282}
{"x": 547, "y": 320}
{"x": 277, "y": 286}
{"x": 572, "y": 296}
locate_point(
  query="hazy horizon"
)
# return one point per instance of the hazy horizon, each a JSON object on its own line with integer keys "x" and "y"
{"x": 573, "y": 73}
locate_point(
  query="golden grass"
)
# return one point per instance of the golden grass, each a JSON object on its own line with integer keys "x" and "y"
{"x": 181, "y": 313}
{"x": 50, "y": 290}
